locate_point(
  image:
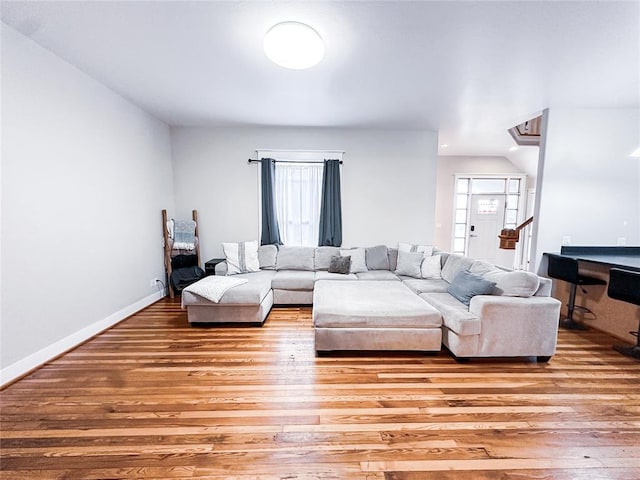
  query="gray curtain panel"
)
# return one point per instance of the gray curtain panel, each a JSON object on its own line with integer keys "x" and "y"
{"x": 331, "y": 206}
{"x": 270, "y": 230}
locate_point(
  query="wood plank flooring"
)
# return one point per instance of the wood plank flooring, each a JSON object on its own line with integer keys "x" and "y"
{"x": 154, "y": 398}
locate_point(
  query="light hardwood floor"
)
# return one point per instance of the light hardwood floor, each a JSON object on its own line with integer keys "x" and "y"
{"x": 156, "y": 398}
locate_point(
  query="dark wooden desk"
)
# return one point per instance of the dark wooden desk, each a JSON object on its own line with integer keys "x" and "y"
{"x": 620, "y": 257}
{"x": 611, "y": 316}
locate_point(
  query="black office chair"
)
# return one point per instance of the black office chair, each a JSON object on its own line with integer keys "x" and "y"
{"x": 625, "y": 285}
{"x": 566, "y": 268}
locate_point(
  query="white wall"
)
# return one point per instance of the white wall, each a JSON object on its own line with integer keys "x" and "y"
{"x": 388, "y": 181}
{"x": 85, "y": 175}
{"x": 448, "y": 167}
{"x": 588, "y": 185}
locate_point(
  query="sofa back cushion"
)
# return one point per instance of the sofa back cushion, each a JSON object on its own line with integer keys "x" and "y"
{"x": 377, "y": 258}
{"x": 267, "y": 255}
{"x": 323, "y": 257}
{"x": 444, "y": 255}
{"x": 454, "y": 265}
{"x": 392, "y": 253}
{"x": 295, "y": 258}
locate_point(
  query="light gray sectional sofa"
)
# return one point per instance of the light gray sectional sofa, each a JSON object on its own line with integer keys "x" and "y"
{"x": 517, "y": 317}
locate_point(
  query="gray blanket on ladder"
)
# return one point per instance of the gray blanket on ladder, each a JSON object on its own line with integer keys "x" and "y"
{"x": 184, "y": 234}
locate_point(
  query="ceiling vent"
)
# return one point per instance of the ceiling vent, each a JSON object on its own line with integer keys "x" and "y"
{"x": 527, "y": 133}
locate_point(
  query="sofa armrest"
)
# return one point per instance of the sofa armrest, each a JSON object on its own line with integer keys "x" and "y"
{"x": 483, "y": 305}
{"x": 544, "y": 290}
{"x": 516, "y": 326}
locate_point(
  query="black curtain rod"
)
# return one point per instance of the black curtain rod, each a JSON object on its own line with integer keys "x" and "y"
{"x": 253, "y": 160}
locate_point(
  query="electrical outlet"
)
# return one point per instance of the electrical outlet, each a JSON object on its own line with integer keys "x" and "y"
{"x": 622, "y": 241}
{"x": 566, "y": 240}
{"x": 152, "y": 282}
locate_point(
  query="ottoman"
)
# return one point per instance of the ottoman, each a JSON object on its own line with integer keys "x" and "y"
{"x": 373, "y": 315}
{"x": 247, "y": 303}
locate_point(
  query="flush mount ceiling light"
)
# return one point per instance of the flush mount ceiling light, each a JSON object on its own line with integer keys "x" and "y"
{"x": 293, "y": 45}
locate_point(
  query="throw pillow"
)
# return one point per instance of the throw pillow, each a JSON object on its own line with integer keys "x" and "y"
{"x": 358, "y": 261}
{"x": 409, "y": 263}
{"x": 241, "y": 257}
{"x": 267, "y": 255}
{"x": 517, "y": 283}
{"x": 324, "y": 255}
{"x": 408, "y": 247}
{"x": 295, "y": 258}
{"x": 510, "y": 283}
{"x": 340, "y": 264}
{"x": 431, "y": 267}
{"x": 377, "y": 258}
{"x": 467, "y": 285}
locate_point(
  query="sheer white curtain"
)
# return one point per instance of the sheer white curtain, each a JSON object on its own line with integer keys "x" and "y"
{"x": 298, "y": 193}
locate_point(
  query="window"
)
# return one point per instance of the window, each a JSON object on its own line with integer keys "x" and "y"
{"x": 298, "y": 192}
{"x": 460, "y": 217}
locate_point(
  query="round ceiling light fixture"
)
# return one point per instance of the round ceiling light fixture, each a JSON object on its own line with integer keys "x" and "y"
{"x": 293, "y": 45}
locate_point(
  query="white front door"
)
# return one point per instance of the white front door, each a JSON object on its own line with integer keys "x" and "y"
{"x": 486, "y": 220}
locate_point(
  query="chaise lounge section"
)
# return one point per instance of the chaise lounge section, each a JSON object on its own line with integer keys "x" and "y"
{"x": 247, "y": 303}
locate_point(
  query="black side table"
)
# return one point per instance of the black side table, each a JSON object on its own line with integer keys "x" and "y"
{"x": 210, "y": 266}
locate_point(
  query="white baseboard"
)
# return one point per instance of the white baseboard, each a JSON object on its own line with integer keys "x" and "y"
{"x": 36, "y": 359}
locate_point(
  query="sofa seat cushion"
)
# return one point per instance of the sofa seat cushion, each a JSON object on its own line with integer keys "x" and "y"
{"x": 250, "y": 293}
{"x": 377, "y": 275}
{"x": 293, "y": 280}
{"x": 455, "y": 314}
{"x": 321, "y": 275}
{"x": 420, "y": 285}
{"x": 370, "y": 304}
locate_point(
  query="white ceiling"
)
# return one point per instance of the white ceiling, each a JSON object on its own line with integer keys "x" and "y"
{"x": 469, "y": 70}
